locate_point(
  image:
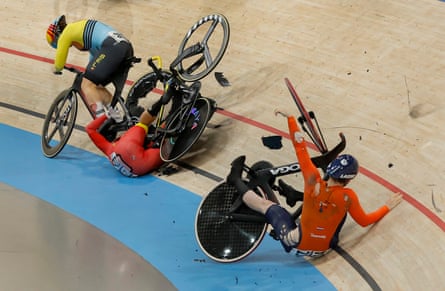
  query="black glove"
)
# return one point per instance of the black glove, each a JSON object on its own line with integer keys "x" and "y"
{"x": 292, "y": 195}
{"x": 155, "y": 108}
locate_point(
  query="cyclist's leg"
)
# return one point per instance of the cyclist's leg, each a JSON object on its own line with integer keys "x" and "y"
{"x": 101, "y": 69}
{"x": 276, "y": 215}
{"x": 255, "y": 202}
{"x": 284, "y": 226}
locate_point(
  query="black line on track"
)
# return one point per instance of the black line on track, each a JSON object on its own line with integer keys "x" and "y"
{"x": 356, "y": 265}
{"x": 348, "y": 258}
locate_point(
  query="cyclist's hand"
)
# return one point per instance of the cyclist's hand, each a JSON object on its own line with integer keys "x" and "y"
{"x": 394, "y": 200}
{"x": 57, "y": 72}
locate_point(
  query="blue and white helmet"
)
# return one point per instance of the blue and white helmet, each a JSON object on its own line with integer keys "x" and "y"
{"x": 343, "y": 167}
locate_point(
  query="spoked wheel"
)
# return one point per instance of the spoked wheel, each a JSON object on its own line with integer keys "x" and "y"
{"x": 227, "y": 236}
{"x": 212, "y": 32}
{"x": 59, "y": 123}
{"x": 174, "y": 146}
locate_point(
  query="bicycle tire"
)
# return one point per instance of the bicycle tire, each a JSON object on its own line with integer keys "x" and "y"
{"x": 206, "y": 55}
{"x": 143, "y": 86}
{"x": 174, "y": 146}
{"x": 222, "y": 239}
{"x": 65, "y": 104}
{"x": 316, "y": 137}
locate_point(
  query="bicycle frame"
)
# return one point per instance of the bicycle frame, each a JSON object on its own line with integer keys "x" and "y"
{"x": 183, "y": 99}
{"x": 178, "y": 130}
{"x": 175, "y": 88}
{"x": 77, "y": 89}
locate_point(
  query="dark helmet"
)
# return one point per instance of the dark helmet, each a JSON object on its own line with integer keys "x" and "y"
{"x": 54, "y": 30}
{"x": 343, "y": 167}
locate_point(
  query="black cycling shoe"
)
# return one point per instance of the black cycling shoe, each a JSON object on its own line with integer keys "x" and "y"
{"x": 107, "y": 130}
{"x": 236, "y": 170}
{"x": 136, "y": 111}
{"x": 234, "y": 177}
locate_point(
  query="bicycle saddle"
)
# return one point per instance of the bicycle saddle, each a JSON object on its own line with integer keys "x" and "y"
{"x": 191, "y": 92}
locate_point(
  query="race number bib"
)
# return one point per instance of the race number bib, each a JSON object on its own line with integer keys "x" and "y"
{"x": 121, "y": 166}
{"x": 117, "y": 36}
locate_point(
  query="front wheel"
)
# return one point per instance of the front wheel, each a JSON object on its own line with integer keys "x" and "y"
{"x": 59, "y": 123}
{"x": 175, "y": 145}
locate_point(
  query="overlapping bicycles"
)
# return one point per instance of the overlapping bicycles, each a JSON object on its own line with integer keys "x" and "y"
{"x": 178, "y": 128}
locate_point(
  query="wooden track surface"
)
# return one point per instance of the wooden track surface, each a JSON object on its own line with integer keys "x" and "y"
{"x": 371, "y": 69}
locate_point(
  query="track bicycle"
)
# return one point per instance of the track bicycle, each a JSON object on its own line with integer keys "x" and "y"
{"x": 226, "y": 229}
{"x": 61, "y": 117}
{"x": 178, "y": 128}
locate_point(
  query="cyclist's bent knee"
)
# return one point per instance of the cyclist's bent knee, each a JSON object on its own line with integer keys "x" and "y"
{"x": 95, "y": 93}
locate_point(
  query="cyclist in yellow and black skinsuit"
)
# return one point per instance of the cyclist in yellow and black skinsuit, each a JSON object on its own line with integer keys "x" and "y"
{"x": 107, "y": 47}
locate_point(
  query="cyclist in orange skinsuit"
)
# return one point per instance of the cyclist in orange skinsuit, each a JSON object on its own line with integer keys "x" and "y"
{"x": 326, "y": 201}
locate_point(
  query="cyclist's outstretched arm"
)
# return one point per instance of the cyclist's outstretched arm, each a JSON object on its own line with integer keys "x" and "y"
{"x": 308, "y": 169}
{"x": 98, "y": 139}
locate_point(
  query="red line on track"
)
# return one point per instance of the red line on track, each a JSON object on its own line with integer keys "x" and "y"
{"x": 408, "y": 198}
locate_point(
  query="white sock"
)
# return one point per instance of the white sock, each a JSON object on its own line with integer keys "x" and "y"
{"x": 100, "y": 110}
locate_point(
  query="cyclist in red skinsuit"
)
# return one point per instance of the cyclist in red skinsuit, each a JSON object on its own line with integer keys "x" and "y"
{"x": 127, "y": 154}
{"x": 326, "y": 202}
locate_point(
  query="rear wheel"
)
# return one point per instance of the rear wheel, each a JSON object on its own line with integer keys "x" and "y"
{"x": 59, "y": 123}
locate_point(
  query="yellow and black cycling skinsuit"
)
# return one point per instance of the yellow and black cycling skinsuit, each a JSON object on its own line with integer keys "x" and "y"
{"x": 107, "y": 47}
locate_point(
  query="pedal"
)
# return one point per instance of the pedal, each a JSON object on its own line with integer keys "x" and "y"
{"x": 167, "y": 169}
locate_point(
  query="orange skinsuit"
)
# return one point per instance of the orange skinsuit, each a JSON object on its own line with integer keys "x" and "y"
{"x": 324, "y": 207}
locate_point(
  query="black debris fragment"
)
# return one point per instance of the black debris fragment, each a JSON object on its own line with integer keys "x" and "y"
{"x": 222, "y": 80}
{"x": 273, "y": 142}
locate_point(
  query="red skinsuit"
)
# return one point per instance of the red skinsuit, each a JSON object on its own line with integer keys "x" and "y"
{"x": 126, "y": 154}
